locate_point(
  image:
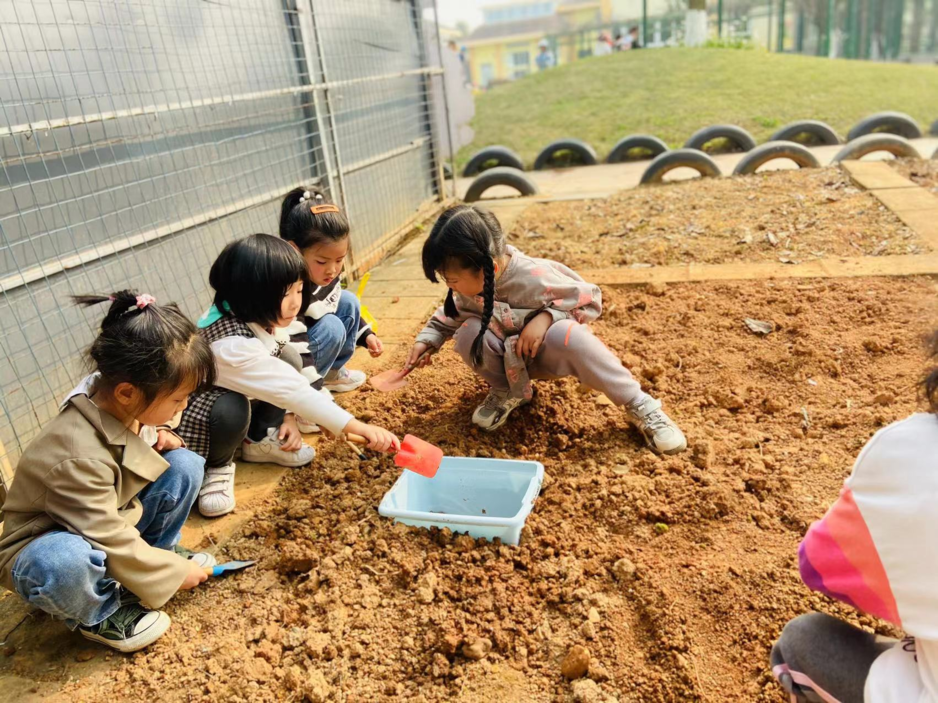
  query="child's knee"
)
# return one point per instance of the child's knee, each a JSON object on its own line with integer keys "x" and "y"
{"x": 349, "y": 305}
{"x": 57, "y": 558}
{"x": 186, "y": 469}
{"x": 329, "y": 330}
{"x": 231, "y": 415}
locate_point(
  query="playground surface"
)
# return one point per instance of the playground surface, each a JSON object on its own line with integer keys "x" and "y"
{"x": 676, "y": 573}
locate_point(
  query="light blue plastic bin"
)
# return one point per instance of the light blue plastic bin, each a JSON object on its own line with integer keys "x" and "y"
{"x": 483, "y": 497}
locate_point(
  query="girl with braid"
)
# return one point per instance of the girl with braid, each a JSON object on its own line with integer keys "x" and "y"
{"x": 516, "y": 318}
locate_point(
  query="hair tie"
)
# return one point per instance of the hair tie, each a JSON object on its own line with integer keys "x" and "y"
{"x": 305, "y": 196}
{"x": 319, "y": 209}
{"x": 319, "y": 197}
{"x": 143, "y": 301}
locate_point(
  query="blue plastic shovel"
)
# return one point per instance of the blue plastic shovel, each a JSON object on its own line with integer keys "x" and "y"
{"x": 228, "y": 567}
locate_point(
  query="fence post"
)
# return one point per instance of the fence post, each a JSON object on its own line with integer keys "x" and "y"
{"x": 719, "y": 17}
{"x": 780, "y": 42}
{"x": 645, "y": 22}
{"x": 330, "y": 109}
{"x": 449, "y": 125}
{"x": 426, "y": 91}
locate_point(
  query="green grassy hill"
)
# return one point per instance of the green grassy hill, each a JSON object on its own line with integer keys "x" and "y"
{"x": 673, "y": 92}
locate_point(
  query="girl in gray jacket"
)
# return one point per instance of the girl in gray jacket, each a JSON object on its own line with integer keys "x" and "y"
{"x": 516, "y": 318}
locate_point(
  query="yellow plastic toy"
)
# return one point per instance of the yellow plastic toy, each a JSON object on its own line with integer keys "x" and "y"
{"x": 366, "y": 316}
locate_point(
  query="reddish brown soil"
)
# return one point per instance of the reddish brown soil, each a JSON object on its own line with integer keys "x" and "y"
{"x": 346, "y": 606}
{"x": 789, "y": 216}
{"x": 924, "y": 172}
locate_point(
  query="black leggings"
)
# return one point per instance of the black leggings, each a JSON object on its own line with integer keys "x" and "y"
{"x": 234, "y": 417}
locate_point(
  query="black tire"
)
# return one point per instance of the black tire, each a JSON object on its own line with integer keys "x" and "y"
{"x": 770, "y": 151}
{"x": 867, "y": 144}
{"x": 646, "y": 142}
{"x": 822, "y": 133}
{"x": 934, "y": 129}
{"x": 897, "y": 123}
{"x": 689, "y": 158}
{"x": 580, "y": 149}
{"x": 501, "y": 155}
{"x": 738, "y": 136}
{"x": 500, "y": 176}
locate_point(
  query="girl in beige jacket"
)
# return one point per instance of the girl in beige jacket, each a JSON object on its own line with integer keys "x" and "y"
{"x": 93, "y": 515}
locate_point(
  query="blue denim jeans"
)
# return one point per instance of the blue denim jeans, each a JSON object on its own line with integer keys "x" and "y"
{"x": 332, "y": 338}
{"x": 66, "y": 577}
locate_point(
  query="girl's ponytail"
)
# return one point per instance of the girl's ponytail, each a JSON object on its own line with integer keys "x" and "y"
{"x": 306, "y": 225}
{"x": 122, "y": 302}
{"x": 154, "y": 348}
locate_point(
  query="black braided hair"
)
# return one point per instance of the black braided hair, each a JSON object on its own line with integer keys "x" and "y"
{"x": 469, "y": 238}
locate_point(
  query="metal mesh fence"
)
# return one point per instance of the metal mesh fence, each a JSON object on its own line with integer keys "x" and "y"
{"x": 137, "y": 137}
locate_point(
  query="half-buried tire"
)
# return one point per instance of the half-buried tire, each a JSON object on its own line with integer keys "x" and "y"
{"x": 500, "y": 176}
{"x": 897, "y": 123}
{"x": 680, "y": 158}
{"x": 870, "y": 143}
{"x": 738, "y": 137}
{"x": 644, "y": 143}
{"x": 770, "y": 151}
{"x": 582, "y": 154}
{"x": 491, "y": 157}
{"x": 817, "y": 131}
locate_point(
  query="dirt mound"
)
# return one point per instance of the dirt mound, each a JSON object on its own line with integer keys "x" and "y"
{"x": 788, "y": 216}
{"x": 639, "y": 578}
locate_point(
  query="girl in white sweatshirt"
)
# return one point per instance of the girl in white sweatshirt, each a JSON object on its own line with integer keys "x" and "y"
{"x": 260, "y": 284}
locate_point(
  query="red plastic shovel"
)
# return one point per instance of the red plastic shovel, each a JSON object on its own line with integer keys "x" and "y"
{"x": 395, "y": 379}
{"x": 415, "y": 454}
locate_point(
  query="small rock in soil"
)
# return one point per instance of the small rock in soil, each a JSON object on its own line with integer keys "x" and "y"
{"x": 624, "y": 569}
{"x": 760, "y": 327}
{"x": 586, "y": 691}
{"x": 9, "y": 651}
{"x": 85, "y": 656}
{"x": 476, "y": 648}
{"x": 576, "y": 663}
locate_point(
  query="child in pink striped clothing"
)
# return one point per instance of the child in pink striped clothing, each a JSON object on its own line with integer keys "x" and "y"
{"x": 876, "y": 549}
{"x": 516, "y": 318}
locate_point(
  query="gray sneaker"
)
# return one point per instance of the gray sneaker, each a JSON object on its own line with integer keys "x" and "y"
{"x": 343, "y": 380}
{"x": 495, "y": 409}
{"x": 129, "y": 628}
{"x": 659, "y": 430}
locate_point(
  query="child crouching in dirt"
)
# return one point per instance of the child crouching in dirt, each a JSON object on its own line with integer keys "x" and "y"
{"x": 517, "y": 318}
{"x": 331, "y": 326}
{"x": 260, "y": 286}
{"x": 876, "y": 549}
{"x": 93, "y": 515}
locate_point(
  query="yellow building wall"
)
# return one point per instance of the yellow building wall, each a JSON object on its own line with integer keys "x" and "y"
{"x": 499, "y": 56}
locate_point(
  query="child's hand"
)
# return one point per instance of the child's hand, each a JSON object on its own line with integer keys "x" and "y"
{"x": 375, "y": 347}
{"x": 378, "y": 438}
{"x": 195, "y": 576}
{"x": 414, "y": 361}
{"x": 532, "y": 336}
{"x": 290, "y": 438}
{"x": 166, "y": 441}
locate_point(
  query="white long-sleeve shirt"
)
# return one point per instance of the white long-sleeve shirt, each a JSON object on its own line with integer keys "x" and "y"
{"x": 246, "y": 366}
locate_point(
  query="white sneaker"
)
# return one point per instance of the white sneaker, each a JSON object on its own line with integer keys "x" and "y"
{"x": 344, "y": 380}
{"x": 307, "y": 426}
{"x": 268, "y": 451}
{"x": 216, "y": 497}
{"x": 659, "y": 430}
{"x": 495, "y": 409}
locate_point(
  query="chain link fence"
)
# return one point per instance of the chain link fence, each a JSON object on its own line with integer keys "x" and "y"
{"x": 138, "y": 137}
